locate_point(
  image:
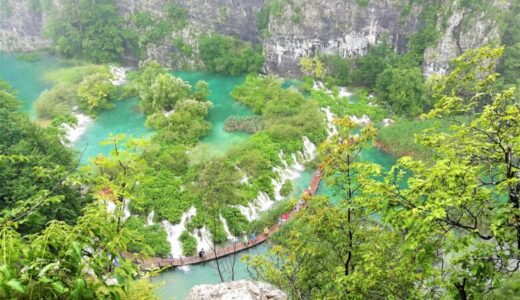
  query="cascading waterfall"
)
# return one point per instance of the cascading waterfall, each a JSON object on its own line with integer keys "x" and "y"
{"x": 118, "y": 75}
{"x": 149, "y": 218}
{"x": 229, "y": 235}
{"x": 73, "y": 132}
{"x": 285, "y": 172}
{"x": 203, "y": 237}
{"x": 342, "y": 91}
{"x": 174, "y": 231}
{"x": 329, "y": 117}
{"x": 126, "y": 209}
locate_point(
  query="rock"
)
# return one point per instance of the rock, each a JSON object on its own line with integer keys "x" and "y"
{"x": 239, "y": 290}
{"x": 302, "y": 28}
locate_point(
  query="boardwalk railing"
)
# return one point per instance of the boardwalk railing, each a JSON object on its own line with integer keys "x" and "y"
{"x": 158, "y": 262}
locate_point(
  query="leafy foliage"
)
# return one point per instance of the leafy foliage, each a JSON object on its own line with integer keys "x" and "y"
{"x": 229, "y": 55}
{"x": 403, "y": 90}
{"x": 90, "y": 29}
{"x": 40, "y": 175}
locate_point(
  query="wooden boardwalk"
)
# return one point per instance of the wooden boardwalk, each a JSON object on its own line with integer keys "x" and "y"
{"x": 159, "y": 263}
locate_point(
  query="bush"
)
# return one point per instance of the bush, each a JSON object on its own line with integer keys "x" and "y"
{"x": 151, "y": 237}
{"x": 271, "y": 217}
{"x": 56, "y": 101}
{"x": 95, "y": 92}
{"x": 189, "y": 244}
{"x": 287, "y": 188}
{"x": 236, "y": 221}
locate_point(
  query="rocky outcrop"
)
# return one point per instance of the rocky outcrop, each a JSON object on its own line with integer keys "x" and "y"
{"x": 236, "y": 290}
{"x": 337, "y": 27}
{"x": 464, "y": 30}
{"x": 21, "y": 26}
{"x": 300, "y": 28}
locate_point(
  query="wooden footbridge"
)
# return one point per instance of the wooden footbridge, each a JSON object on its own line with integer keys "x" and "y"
{"x": 212, "y": 254}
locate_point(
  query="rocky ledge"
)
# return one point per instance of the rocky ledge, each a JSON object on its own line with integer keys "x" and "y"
{"x": 243, "y": 290}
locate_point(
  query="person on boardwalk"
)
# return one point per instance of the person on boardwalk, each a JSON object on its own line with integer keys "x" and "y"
{"x": 246, "y": 241}
{"x": 202, "y": 253}
{"x": 266, "y": 231}
{"x": 253, "y": 238}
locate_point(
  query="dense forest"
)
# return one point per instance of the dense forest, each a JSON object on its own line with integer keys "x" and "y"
{"x": 441, "y": 221}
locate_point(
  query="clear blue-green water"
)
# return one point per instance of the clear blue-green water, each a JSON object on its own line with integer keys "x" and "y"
{"x": 223, "y": 107}
{"x": 26, "y": 78}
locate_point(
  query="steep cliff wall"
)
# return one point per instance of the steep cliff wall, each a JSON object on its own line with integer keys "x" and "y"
{"x": 337, "y": 27}
{"x": 21, "y": 26}
{"x": 300, "y": 28}
{"x": 463, "y": 30}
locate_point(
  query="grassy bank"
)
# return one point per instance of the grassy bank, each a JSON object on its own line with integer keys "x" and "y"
{"x": 400, "y": 138}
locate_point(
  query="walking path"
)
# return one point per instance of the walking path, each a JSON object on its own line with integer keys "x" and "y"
{"x": 158, "y": 262}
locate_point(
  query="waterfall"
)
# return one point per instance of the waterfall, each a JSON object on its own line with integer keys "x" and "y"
{"x": 229, "y": 236}
{"x": 203, "y": 237}
{"x": 285, "y": 172}
{"x": 343, "y": 92}
{"x": 126, "y": 209}
{"x": 329, "y": 117}
{"x": 309, "y": 149}
{"x": 73, "y": 132}
{"x": 118, "y": 75}
{"x": 174, "y": 231}
{"x": 111, "y": 206}
{"x": 149, "y": 219}
{"x": 245, "y": 179}
{"x": 364, "y": 120}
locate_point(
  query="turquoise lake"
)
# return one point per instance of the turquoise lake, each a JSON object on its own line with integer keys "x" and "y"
{"x": 26, "y": 79}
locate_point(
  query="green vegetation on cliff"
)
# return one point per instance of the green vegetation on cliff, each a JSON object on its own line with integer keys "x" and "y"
{"x": 230, "y": 55}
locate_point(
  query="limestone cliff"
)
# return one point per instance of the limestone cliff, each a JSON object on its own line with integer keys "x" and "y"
{"x": 300, "y": 28}
{"x": 239, "y": 290}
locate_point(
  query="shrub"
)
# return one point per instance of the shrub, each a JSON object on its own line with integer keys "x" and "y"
{"x": 287, "y": 188}
{"x": 189, "y": 244}
{"x": 56, "y": 101}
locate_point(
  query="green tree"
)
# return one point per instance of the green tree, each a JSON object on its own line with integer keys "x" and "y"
{"x": 403, "y": 90}
{"x": 42, "y": 173}
{"x": 90, "y": 29}
{"x": 95, "y": 92}
{"x": 313, "y": 67}
{"x": 460, "y": 213}
{"x": 229, "y": 55}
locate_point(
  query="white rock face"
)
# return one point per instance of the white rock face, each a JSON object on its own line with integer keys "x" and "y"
{"x": 463, "y": 32}
{"x": 236, "y": 290}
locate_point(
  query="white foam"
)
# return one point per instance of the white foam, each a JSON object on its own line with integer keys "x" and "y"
{"x": 329, "y": 117}
{"x": 204, "y": 239}
{"x": 126, "y": 210}
{"x": 118, "y": 75}
{"x": 174, "y": 231}
{"x": 388, "y": 122}
{"x": 74, "y": 132}
{"x": 285, "y": 173}
{"x": 364, "y": 120}
{"x": 229, "y": 235}
{"x": 149, "y": 219}
{"x": 185, "y": 269}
